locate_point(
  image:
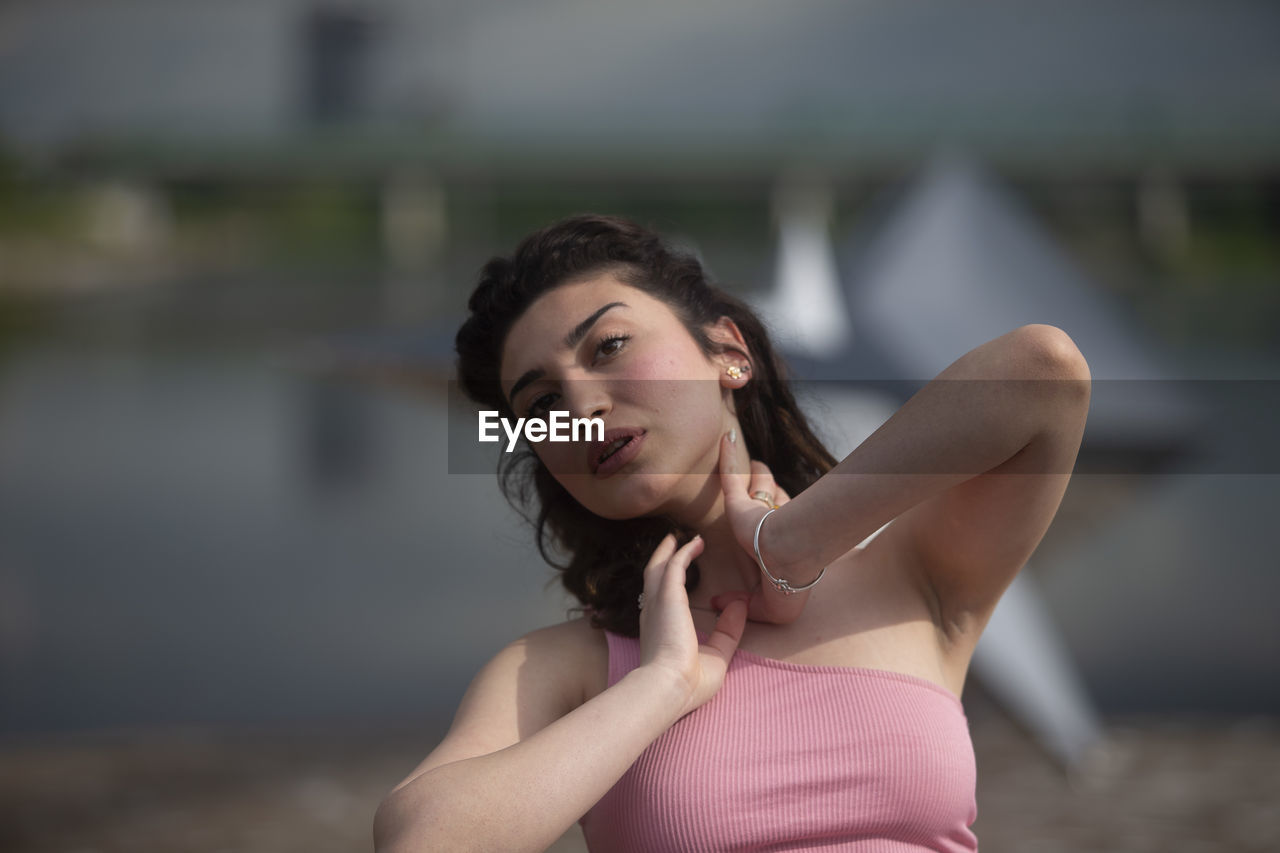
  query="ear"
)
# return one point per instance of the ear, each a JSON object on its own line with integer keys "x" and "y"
{"x": 736, "y": 354}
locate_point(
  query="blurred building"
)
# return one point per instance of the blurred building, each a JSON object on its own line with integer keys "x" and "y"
{"x": 715, "y": 87}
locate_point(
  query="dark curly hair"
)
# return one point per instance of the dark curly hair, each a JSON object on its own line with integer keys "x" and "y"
{"x": 606, "y": 557}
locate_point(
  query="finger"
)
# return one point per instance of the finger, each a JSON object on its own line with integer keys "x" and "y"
{"x": 761, "y": 480}
{"x": 666, "y": 547}
{"x": 673, "y": 578}
{"x": 780, "y": 495}
{"x": 661, "y": 554}
{"x": 719, "y": 602}
{"x": 728, "y": 631}
{"x": 760, "y": 474}
{"x": 733, "y": 484}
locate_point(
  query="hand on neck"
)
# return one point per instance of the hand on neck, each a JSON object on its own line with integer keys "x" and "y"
{"x": 723, "y": 565}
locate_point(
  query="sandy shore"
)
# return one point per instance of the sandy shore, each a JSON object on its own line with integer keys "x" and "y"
{"x": 1162, "y": 784}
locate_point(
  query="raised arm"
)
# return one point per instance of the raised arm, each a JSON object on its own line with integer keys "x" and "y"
{"x": 525, "y": 757}
{"x": 971, "y": 471}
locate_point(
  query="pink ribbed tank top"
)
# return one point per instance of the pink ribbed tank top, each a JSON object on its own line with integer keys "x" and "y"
{"x": 790, "y": 757}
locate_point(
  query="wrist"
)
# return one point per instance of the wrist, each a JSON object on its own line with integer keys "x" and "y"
{"x": 778, "y": 551}
{"x": 670, "y": 687}
{"x": 775, "y": 544}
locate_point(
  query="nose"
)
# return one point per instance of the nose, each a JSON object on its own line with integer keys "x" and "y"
{"x": 586, "y": 398}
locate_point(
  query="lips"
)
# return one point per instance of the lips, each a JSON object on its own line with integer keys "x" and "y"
{"x": 624, "y": 442}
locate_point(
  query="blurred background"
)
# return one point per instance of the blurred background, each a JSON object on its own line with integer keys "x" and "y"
{"x": 241, "y": 588}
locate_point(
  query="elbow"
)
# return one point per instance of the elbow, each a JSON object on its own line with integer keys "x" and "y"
{"x": 415, "y": 819}
{"x": 1047, "y": 352}
{"x": 393, "y": 826}
{"x": 386, "y": 833}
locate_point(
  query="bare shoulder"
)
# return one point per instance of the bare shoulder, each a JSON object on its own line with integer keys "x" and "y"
{"x": 550, "y": 667}
{"x": 576, "y": 652}
{"x": 530, "y": 683}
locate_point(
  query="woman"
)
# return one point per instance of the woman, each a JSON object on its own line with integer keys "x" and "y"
{"x": 764, "y": 662}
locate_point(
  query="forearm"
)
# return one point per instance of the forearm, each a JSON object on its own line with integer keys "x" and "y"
{"x": 525, "y": 796}
{"x": 979, "y": 412}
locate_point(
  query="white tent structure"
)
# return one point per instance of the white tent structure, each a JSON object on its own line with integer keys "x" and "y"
{"x": 959, "y": 263}
{"x": 806, "y": 308}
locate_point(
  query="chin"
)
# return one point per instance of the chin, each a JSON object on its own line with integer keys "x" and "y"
{"x": 635, "y": 497}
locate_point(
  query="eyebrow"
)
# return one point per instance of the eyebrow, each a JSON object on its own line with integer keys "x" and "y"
{"x": 571, "y": 340}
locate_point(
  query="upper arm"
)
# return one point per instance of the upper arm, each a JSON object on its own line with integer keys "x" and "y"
{"x": 529, "y": 684}
{"x": 968, "y": 542}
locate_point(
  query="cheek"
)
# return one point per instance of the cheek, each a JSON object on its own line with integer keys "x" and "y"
{"x": 670, "y": 380}
{"x": 667, "y": 360}
{"x": 560, "y": 458}
{"x": 652, "y": 366}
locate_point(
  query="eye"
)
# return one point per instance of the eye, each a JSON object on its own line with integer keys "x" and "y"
{"x": 612, "y": 344}
{"x": 540, "y": 405}
{"x": 609, "y": 346}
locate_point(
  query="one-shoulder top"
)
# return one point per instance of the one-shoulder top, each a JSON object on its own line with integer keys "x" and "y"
{"x": 792, "y": 757}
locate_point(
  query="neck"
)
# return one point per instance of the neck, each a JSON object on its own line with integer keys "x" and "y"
{"x": 724, "y": 565}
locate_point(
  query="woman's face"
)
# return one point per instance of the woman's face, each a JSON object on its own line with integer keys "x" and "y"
{"x": 600, "y": 348}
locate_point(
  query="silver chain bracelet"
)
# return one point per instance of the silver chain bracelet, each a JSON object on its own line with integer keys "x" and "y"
{"x": 781, "y": 584}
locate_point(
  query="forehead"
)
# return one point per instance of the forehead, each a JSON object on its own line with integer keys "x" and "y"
{"x": 541, "y": 329}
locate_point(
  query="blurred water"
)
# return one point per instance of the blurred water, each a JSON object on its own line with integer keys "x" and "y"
{"x": 223, "y": 538}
